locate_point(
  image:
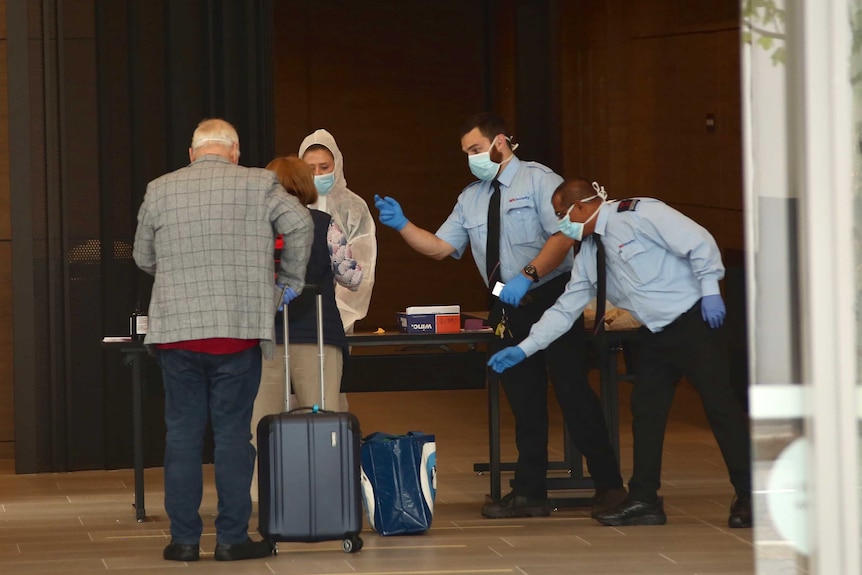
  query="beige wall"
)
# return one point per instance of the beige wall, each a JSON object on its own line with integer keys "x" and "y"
{"x": 7, "y": 421}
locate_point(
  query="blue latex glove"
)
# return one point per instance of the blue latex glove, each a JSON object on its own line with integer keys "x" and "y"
{"x": 504, "y": 359}
{"x": 391, "y": 213}
{"x": 289, "y": 296}
{"x": 516, "y": 288}
{"x": 713, "y": 310}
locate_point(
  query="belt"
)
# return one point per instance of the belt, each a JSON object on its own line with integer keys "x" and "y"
{"x": 681, "y": 316}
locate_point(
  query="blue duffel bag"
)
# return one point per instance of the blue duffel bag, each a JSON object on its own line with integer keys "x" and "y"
{"x": 399, "y": 481}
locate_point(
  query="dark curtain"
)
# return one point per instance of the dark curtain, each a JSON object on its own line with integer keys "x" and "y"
{"x": 105, "y": 96}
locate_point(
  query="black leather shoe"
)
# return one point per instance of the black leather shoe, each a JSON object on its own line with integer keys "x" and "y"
{"x": 631, "y": 512}
{"x": 181, "y": 552}
{"x": 516, "y": 506}
{"x": 740, "y": 512}
{"x": 247, "y": 550}
{"x": 607, "y": 500}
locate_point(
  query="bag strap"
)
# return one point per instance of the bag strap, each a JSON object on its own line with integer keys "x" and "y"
{"x": 381, "y": 436}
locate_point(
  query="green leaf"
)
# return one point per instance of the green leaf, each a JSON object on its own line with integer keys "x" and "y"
{"x": 779, "y": 55}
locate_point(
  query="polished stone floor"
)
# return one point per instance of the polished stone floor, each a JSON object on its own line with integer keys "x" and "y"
{"x": 83, "y": 522}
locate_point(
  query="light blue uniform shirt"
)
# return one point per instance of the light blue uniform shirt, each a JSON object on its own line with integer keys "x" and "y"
{"x": 527, "y": 219}
{"x": 659, "y": 263}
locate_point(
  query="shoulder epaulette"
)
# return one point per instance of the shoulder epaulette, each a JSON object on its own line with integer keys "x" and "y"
{"x": 628, "y": 205}
{"x": 536, "y": 165}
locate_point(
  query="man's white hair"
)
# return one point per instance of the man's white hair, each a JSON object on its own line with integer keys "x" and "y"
{"x": 214, "y": 131}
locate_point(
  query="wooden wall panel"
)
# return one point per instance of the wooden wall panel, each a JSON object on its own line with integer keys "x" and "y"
{"x": 636, "y": 81}
{"x": 638, "y": 78}
{"x": 502, "y": 60}
{"x": 670, "y": 17}
{"x": 729, "y": 120}
{"x": 393, "y": 85}
{"x": 7, "y": 414}
{"x": 7, "y": 419}
{"x": 5, "y": 222}
{"x": 584, "y": 99}
{"x": 674, "y": 84}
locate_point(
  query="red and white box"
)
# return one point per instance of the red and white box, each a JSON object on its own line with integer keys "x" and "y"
{"x": 430, "y": 319}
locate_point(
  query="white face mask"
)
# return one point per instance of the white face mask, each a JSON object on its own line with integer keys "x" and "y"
{"x": 324, "y": 183}
{"x": 575, "y": 230}
{"x": 482, "y": 166}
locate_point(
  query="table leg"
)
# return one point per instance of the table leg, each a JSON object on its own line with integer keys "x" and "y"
{"x": 494, "y": 434}
{"x": 610, "y": 396}
{"x": 137, "y": 430}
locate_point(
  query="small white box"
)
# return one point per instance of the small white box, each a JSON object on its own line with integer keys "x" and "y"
{"x": 435, "y": 309}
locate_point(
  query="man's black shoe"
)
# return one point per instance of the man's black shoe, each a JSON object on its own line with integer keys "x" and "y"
{"x": 181, "y": 552}
{"x": 247, "y": 550}
{"x": 740, "y": 512}
{"x": 517, "y": 506}
{"x": 631, "y": 512}
{"x": 607, "y": 500}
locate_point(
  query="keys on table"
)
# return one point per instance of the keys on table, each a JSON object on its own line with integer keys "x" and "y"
{"x": 502, "y": 330}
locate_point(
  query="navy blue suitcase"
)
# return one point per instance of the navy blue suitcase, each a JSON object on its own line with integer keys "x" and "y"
{"x": 309, "y": 471}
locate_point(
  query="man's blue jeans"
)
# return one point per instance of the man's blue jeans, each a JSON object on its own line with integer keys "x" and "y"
{"x": 222, "y": 388}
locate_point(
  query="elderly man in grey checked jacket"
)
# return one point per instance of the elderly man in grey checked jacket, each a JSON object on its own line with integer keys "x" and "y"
{"x": 207, "y": 233}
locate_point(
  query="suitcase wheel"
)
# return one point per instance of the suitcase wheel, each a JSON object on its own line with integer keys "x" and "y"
{"x": 352, "y": 544}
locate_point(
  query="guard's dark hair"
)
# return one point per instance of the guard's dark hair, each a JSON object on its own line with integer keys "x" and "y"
{"x": 489, "y": 125}
{"x": 574, "y": 189}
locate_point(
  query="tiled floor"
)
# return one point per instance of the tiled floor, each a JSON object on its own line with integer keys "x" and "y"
{"x": 83, "y": 522}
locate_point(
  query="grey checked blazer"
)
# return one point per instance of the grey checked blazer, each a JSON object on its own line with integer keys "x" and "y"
{"x": 207, "y": 233}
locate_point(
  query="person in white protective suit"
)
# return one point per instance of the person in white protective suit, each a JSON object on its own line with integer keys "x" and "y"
{"x": 350, "y": 212}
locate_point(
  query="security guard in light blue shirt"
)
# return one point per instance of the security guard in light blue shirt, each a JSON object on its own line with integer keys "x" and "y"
{"x": 662, "y": 262}
{"x": 664, "y": 268}
{"x": 534, "y": 262}
{"x": 525, "y": 191}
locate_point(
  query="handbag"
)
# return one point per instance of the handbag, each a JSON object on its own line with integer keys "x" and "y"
{"x": 399, "y": 481}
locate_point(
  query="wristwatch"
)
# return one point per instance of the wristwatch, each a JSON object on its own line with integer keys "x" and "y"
{"x": 530, "y": 270}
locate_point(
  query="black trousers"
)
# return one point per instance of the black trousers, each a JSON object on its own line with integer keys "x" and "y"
{"x": 687, "y": 347}
{"x": 526, "y": 387}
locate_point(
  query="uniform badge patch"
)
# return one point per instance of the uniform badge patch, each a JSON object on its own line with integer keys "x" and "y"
{"x": 628, "y": 205}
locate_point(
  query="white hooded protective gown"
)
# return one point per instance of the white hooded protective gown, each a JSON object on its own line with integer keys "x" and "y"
{"x": 352, "y": 215}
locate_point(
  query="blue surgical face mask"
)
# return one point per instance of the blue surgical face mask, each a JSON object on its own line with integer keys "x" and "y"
{"x": 482, "y": 166}
{"x": 575, "y": 230}
{"x": 324, "y": 183}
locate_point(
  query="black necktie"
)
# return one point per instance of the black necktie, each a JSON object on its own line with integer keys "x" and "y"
{"x": 601, "y": 272}
{"x": 492, "y": 251}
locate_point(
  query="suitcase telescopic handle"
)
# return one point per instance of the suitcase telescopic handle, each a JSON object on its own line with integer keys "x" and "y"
{"x": 286, "y": 359}
{"x": 312, "y": 289}
{"x": 315, "y": 289}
